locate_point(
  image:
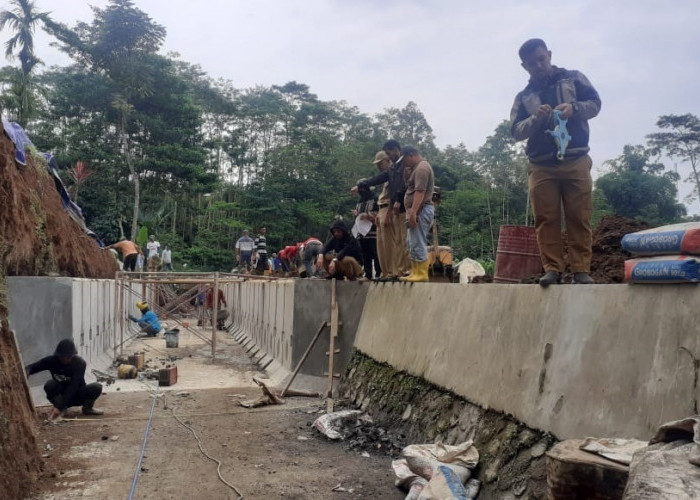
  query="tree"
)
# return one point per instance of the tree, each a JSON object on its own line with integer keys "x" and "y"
{"x": 680, "y": 139}
{"x": 408, "y": 126}
{"x": 638, "y": 188}
{"x": 19, "y": 92}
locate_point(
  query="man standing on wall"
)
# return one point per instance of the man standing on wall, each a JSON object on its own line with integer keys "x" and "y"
{"x": 420, "y": 184}
{"x": 244, "y": 251}
{"x": 394, "y": 219}
{"x": 261, "y": 264}
{"x": 153, "y": 248}
{"x": 167, "y": 259}
{"x": 556, "y": 179}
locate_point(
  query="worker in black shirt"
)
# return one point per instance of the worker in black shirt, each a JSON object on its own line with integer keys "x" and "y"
{"x": 67, "y": 386}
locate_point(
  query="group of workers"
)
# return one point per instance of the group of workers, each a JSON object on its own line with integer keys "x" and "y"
{"x": 133, "y": 256}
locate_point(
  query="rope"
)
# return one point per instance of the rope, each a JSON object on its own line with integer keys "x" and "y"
{"x": 143, "y": 448}
{"x": 218, "y": 462}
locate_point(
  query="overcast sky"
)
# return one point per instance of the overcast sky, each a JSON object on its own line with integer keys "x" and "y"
{"x": 456, "y": 59}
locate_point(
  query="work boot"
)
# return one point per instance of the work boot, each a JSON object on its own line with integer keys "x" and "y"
{"x": 583, "y": 279}
{"x": 420, "y": 272}
{"x": 88, "y": 409}
{"x": 406, "y": 276}
{"x": 550, "y": 278}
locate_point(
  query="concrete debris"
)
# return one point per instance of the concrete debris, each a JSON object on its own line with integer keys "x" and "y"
{"x": 340, "y": 489}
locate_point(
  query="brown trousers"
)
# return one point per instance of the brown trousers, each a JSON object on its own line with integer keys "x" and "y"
{"x": 568, "y": 185}
{"x": 391, "y": 243}
{"x": 346, "y": 268}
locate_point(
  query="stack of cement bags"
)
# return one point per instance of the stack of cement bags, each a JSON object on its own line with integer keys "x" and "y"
{"x": 668, "y": 254}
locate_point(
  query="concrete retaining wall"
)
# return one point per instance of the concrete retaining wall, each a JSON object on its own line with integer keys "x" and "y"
{"x": 276, "y": 320}
{"x": 601, "y": 360}
{"x": 44, "y": 310}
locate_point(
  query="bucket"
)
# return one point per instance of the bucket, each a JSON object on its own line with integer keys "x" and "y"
{"x": 172, "y": 338}
{"x": 518, "y": 255}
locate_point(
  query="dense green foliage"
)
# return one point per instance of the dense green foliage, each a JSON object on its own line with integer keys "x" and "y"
{"x": 167, "y": 150}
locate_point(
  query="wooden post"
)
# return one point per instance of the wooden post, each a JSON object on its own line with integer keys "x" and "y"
{"x": 331, "y": 349}
{"x": 303, "y": 358}
{"x": 122, "y": 312}
{"x": 214, "y": 314}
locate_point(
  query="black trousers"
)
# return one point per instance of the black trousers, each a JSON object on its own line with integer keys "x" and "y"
{"x": 369, "y": 256}
{"x": 130, "y": 262}
{"x": 86, "y": 394}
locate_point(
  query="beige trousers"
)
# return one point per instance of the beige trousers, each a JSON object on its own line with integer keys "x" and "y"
{"x": 568, "y": 185}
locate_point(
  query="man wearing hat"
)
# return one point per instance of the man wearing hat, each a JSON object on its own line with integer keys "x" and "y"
{"x": 391, "y": 225}
{"x": 67, "y": 386}
{"x": 148, "y": 322}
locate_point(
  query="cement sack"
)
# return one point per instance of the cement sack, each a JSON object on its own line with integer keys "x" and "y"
{"x": 665, "y": 240}
{"x": 332, "y": 425}
{"x": 422, "y": 461}
{"x": 669, "y": 468}
{"x": 469, "y": 269}
{"x": 667, "y": 269}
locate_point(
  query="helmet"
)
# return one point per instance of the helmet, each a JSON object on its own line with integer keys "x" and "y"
{"x": 142, "y": 305}
{"x": 66, "y": 347}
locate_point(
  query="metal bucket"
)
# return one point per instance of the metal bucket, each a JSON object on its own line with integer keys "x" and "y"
{"x": 172, "y": 338}
{"x": 518, "y": 255}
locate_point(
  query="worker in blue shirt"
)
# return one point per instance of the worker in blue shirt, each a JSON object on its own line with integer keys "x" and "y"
{"x": 148, "y": 322}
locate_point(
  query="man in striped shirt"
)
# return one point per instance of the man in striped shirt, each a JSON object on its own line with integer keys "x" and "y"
{"x": 261, "y": 264}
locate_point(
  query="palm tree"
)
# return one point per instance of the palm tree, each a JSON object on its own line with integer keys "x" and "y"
{"x": 22, "y": 20}
{"x": 20, "y": 96}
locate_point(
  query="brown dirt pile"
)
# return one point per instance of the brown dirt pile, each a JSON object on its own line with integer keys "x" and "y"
{"x": 19, "y": 455}
{"x": 38, "y": 237}
{"x": 608, "y": 262}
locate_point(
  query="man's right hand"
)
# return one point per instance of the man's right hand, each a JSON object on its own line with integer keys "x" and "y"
{"x": 354, "y": 189}
{"x": 543, "y": 112}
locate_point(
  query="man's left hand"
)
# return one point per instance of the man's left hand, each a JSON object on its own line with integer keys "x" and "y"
{"x": 55, "y": 413}
{"x": 567, "y": 110}
{"x": 412, "y": 220}
{"x": 331, "y": 268}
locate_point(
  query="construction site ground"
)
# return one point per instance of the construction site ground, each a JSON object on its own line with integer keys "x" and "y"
{"x": 266, "y": 452}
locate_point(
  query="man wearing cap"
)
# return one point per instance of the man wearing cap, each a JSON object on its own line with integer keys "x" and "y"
{"x": 67, "y": 386}
{"x": 391, "y": 225}
{"x": 244, "y": 251}
{"x": 420, "y": 184}
{"x": 148, "y": 322}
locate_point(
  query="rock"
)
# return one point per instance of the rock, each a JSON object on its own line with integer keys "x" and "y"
{"x": 491, "y": 472}
{"x": 407, "y": 413}
{"x": 114, "y": 438}
{"x": 538, "y": 450}
{"x": 520, "y": 486}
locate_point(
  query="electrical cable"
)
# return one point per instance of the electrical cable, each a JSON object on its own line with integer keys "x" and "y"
{"x": 143, "y": 448}
{"x": 199, "y": 443}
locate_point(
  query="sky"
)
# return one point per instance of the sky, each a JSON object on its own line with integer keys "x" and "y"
{"x": 456, "y": 59}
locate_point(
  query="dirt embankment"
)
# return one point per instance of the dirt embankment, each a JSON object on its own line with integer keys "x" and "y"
{"x": 38, "y": 237}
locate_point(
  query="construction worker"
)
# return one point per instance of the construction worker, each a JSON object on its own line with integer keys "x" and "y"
{"x": 129, "y": 250}
{"x": 67, "y": 386}
{"x": 148, "y": 322}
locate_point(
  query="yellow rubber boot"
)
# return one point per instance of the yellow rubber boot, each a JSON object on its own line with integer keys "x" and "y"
{"x": 420, "y": 272}
{"x": 413, "y": 271}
